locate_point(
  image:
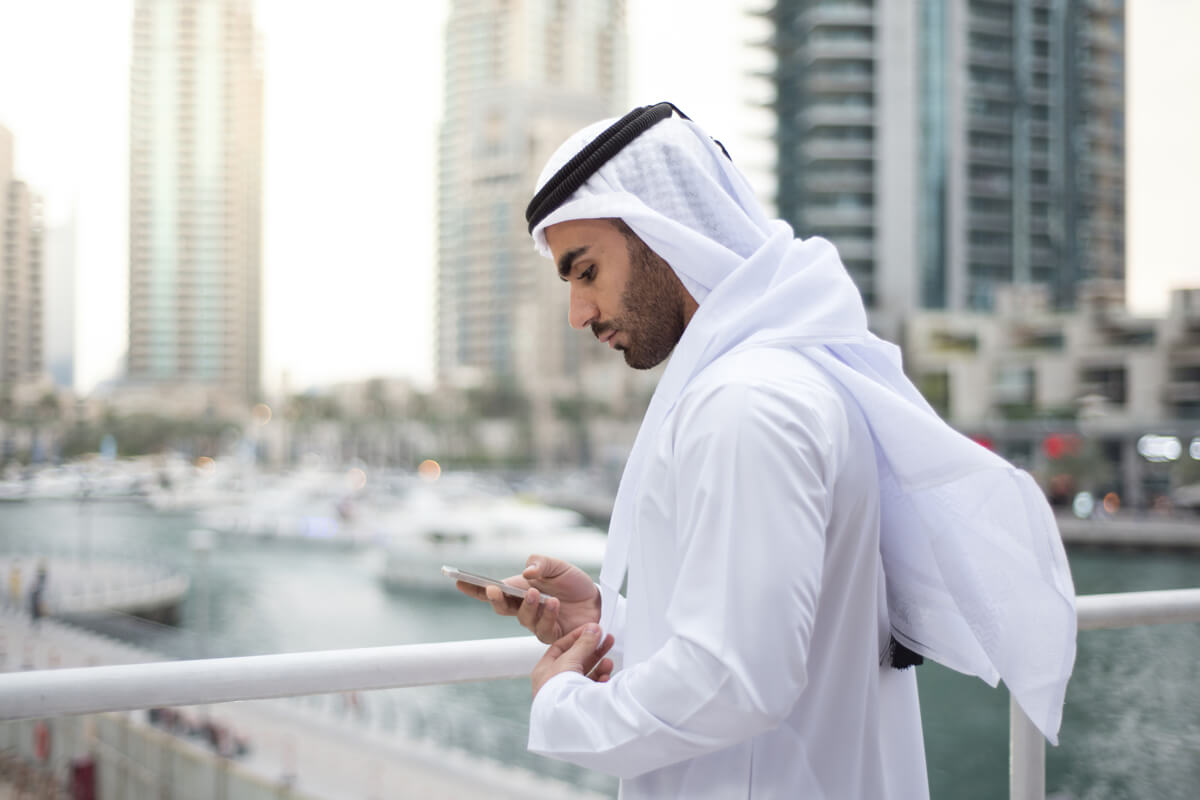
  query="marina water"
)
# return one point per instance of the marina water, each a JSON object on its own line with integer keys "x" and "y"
{"x": 1132, "y": 719}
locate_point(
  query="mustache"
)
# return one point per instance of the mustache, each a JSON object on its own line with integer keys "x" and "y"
{"x": 601, "y": 328}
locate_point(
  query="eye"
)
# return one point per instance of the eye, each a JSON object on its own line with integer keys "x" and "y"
{"x": 588, "y": 274}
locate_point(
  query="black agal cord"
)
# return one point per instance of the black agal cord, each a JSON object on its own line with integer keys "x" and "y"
{"x": 584, "y": 164}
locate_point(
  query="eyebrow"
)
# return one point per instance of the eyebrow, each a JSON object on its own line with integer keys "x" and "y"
{"x": 568, "y": 261}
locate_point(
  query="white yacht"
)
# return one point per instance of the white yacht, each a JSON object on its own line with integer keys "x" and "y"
{"x": 480, "y": 532}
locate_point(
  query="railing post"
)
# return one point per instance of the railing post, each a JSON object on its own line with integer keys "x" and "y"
{"x": 1026, "y": 756}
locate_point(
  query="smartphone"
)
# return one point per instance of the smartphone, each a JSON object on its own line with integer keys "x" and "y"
{"x": 457, "y": 574}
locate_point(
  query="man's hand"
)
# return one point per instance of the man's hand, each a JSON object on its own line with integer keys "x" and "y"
{"x": 576, "y": 652}
{"x": 574, "y": 599}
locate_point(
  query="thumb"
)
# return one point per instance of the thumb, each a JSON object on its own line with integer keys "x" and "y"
{"x": 581, "y": 655}
{"x": 543, "y": 567}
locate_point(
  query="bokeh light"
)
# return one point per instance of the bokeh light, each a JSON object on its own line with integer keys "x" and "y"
{"x": 429, "y": 469}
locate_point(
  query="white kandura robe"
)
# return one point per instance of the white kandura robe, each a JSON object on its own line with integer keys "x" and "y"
{"x": 755, "y": 617}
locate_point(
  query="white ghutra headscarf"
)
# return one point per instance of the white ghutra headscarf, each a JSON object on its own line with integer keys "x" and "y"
{"x": 977, "y": 578}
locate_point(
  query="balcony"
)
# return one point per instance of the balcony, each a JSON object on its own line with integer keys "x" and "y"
{"x": 861, "y": 15}
{"x": 989, "y": 58}
{"x": 989, "y": 122}
{"x": 835, "y": 148}
{"x": 990, "y": 254}
{"x": 1174, "y": 392}
{"x": 833, "y": 114}
{"x": 992, "y": 26}
{"x": 992, "y": 187}
{"x": 821, "y": 217}
{"x": 833, "y": 83}
{"x": 840, "y": 182}
{"x": 996, "y": 156}
{"x": 833, "y": 49}
{"x": 855, "y": 249}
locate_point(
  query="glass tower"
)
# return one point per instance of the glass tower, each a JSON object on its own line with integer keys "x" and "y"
{"x": 1011, "y": 115}
{"x": 519, "y": 78}
{"x": 195, "y": 196}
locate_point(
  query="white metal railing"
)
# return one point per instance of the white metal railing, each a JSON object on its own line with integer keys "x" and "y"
{"x": 49, "y": 693}
{"x": 1027, "y": 748}
{"x": 87, "y": 690}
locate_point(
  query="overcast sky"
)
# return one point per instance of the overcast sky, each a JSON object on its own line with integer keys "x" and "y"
{"x": 352, "y": 106}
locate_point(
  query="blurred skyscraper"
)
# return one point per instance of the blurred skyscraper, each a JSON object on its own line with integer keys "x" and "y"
{"x": 520, "y": 76}
{"x": 21, "y": 278}
{"x": 59, "y": 324}
{"x": 951, "y": 146}
{"x": 519, "y": 80}
{"x": 195, "y": 198}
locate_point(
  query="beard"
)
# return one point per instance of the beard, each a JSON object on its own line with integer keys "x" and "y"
{"x": 652, "y": 308}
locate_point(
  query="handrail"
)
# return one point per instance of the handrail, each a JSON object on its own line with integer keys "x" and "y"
{"x": 1027, "y": 748}
{"x": 1130, "y": 609}
{"x": 86, "y": 690}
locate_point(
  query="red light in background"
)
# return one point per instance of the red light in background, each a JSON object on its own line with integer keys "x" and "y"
{"x": 1057, "y": 445}
{"x": 1053, "y": 446}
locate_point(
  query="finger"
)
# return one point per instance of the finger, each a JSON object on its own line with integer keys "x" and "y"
{"x": 597, "y": 655}
{"x": 581, "y": 656}
{"x": 563, "y": 644}
{"x": 529, "y": 610}
{"x": 602, "y": 671}
{"x": 547, "y": 626}
{"x": 502, "y": 604}
{"x": 471, "y": 590}
{"x": 518, "y": 581}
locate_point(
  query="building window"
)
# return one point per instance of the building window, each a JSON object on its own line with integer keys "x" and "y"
{"x": 1013, "y": 391}
{"x": 1107, "y": 382}
{"x": 935, "y": 387}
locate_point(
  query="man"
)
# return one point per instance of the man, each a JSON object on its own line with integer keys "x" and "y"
{"x": 795, "y": 523}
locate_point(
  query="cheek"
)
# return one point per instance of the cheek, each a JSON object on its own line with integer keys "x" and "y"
{"x": 616, "y": 291}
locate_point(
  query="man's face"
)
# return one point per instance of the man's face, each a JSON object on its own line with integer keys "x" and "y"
{"x": 621, "y": 289}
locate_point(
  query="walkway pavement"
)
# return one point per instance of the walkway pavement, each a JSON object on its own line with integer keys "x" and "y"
{"x": 82, "y": 587}
{"x": 1133, "y": 530}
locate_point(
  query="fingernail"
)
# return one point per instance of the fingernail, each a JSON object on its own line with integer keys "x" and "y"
{"x": 532, "y": 565}
{"x": 591, "y": 630}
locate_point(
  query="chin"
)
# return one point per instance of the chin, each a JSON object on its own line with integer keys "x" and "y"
{"x": 642, "y": 362}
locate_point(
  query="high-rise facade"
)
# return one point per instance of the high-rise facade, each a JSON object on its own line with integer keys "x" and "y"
{"x": 949, "y": 147}
{"x": 195, "y": 197}
{"x": 60, "y": 294}
{"x": 21, "y": 277}
{"x": 520, "y": 76}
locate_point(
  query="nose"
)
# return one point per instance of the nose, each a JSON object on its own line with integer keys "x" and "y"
{"x": 583, "y": 310}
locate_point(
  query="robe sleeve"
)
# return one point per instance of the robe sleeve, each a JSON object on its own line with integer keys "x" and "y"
{"x": 753, "y": 474}
{"x": 617, "y": 652}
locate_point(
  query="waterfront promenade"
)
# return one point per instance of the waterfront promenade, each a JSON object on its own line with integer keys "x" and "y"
{"x": 290, "y": 748}
{"x": 90, "y": 586}
{"x": 1134, "y": 530}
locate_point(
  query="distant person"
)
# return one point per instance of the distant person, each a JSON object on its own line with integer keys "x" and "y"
{"x": 14, "y": 584}
{"x": 37, "y": 594}
{"x": 795, "y": 523}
